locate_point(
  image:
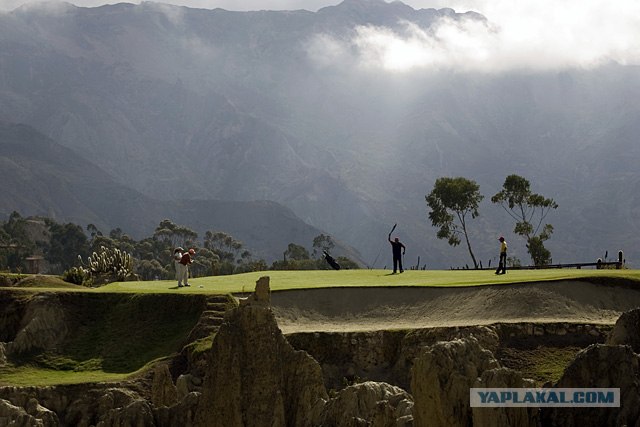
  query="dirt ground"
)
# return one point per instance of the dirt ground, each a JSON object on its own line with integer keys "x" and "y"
{"x": 363, "y": 309}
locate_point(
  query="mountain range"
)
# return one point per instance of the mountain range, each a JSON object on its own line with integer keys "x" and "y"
{"x": 40, "y": 177}
{"x": 171, "y": 104}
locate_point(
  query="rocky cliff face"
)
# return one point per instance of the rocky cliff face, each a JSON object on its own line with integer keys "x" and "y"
{"x": 43, "y": 326}
{"x": 81, "y": 405}
{"x": 368, "y": 404}
{"x": 254, "y": 377}
{"x": 627, "y": 330}
{"x": 31, "y": 415}
{"x": 497, "y": 417}
{"x": 605, "y": 366}
{"x": 441, "y": 379}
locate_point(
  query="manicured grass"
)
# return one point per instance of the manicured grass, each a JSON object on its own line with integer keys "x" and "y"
{"x": 286, "y": 280}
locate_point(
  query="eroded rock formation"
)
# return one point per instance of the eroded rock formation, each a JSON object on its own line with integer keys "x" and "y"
{"x": 499, "y": 417}
{"x": 601, "y": 365}
{"x": 415, "y": 343}
{"x": 81, "y": 405}
{"x": 255, "y": 377}
{"x": 3, "y": 354}
{"x": 368, "y": 404}
{"x": 43, "y": 326}
{"x": 627, "y": 330}
{"x": 163, "y": 391}
{"x": 441, "y": 379}
{"x": 33, "y": 415}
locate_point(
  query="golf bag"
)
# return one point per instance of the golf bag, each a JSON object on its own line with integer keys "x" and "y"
{"x": 331, "y": 261}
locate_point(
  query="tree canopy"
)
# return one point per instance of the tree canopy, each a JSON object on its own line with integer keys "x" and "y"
{"x": 529, "y": 210}
{"x": 452, "y": 201}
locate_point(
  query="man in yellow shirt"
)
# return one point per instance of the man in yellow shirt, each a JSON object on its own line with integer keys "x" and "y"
{"x": 502, "y": 264}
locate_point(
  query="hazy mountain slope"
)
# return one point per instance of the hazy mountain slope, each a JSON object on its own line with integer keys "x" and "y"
{"x": 176, "y": 102}
{"x": 40, "y": 177}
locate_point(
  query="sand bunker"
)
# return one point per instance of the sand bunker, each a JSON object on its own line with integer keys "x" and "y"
{"x": 362, "y": 309}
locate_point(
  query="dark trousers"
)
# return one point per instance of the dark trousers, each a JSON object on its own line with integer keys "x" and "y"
{"x": 397, "y": 262}
{"x": 502, "y": 264}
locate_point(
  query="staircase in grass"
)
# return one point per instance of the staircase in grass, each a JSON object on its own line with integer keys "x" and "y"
{"x": 211, "y": 317}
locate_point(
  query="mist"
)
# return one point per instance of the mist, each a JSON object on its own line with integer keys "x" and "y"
{"x": 346, "y": 123}
{"x": 545, "y": 36}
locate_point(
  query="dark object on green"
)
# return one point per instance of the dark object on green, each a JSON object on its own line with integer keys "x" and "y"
{"x": 331, "y": 261}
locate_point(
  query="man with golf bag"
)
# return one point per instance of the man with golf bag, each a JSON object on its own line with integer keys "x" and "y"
{"x": 398, "y": 250}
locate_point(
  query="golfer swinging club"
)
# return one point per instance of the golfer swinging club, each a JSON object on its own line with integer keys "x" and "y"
{"x": 396, "y": 247}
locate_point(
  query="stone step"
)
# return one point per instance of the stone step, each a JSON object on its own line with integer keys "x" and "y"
{"x": 216, "y": 313}
{"x": 216, "y": 306}
{"x": 223, "y": 299}
{"x": 216, "y": 321}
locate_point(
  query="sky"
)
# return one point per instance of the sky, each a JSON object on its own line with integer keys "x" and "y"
{"x": 536, "y": 35}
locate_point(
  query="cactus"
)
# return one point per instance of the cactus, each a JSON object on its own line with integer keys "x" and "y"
{"x": 108, "y": 265}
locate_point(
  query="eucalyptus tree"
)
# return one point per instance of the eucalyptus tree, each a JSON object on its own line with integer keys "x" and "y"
{"x": 15, "y": 243}
{"x": 322, "y": 243}
{"x": 453, "y": 201}
{"x": 529, "y": 210}
{"x": 296, "y": 252}
{"x": 174, "y": 234}
{"x": 65, "y": 243}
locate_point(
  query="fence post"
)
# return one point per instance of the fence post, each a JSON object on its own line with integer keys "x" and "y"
{"x": 620, "y": 260}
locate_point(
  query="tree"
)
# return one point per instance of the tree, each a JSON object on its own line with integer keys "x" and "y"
{"x": 66, "y": 242}
{"x": 93, "y": 230}
{"x": 321, "y": 243}
{"x": 452, "y": 201}
{"x": 151, "y": 270}
{"x": 296, "y": 252}
{"x": 16, "y": 243}
{"x": 231, "y": 258}
{"x": 174, "y": 234}
{"x": 527, "y": 209}
{"x": 205, "y": 263}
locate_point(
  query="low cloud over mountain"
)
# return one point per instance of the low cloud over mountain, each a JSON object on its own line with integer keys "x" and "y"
{"x": 346, "y": 115}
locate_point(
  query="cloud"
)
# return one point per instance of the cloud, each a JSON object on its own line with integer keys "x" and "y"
{"x": 534, "y": 35}
{"x": 521, "y": 34}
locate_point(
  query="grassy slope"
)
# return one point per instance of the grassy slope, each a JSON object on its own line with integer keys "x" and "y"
{"x": 541, "y": 364}
{"x": 31, "y": 376}
{"x": 112, "y": 335}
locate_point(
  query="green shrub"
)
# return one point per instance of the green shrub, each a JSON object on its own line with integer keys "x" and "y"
{"x": 75, "y": 275}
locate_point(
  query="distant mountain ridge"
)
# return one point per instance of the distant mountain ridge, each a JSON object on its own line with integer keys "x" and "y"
{"x": 43, "y": 178}
{"x": 182, "y": 103}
